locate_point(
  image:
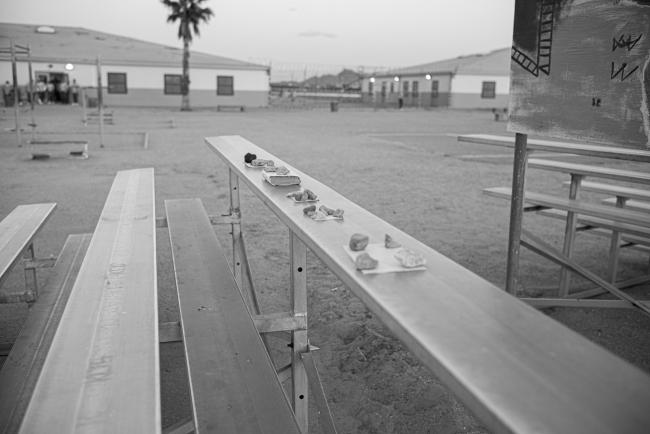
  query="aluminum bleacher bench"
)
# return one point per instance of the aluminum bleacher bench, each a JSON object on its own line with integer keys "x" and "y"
{"x": 562, "y": 147}
{"x": 628, "y": 226}
{"x": 514, "y": 367}
{"x": 234, "y": 386}
{"x": 574, "y": 205}
{"x": 234, "y": 107}
{"x": 587, "y": 170}
{"x": 17, "y": 232}
{"x": 47, "y": 148}
{"x": 632, "y": 233}
{"x": 99, "y": 369}
{"x": 22, "y": 367}
{"x": 107, "y": 117}
{"x": 636, "y": 199}
{"x": 616, "y": 190}
{"x": 634, "y": 205}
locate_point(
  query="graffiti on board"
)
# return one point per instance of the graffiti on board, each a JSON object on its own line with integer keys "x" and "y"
{"x": 580, "y": 70}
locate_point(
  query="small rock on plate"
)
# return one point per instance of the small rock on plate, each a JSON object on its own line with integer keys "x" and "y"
{"x": 390, "y": 243}
{"x": 248, "y": 158}
{"x": 365, "y": 262}
{"x": 358, "y": 242}
{"x": 409, "y": 259}
{"x": 309, "y": 210}
{"x": 310, "y": 194}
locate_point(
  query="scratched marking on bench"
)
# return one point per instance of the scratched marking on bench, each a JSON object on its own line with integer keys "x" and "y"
{"x": 94, "y": 405}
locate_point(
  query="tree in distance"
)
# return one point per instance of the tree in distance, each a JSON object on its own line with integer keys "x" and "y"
{"x": 189, "y": 14}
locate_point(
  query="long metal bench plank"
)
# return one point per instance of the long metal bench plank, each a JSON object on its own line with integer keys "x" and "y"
{"x": 632, "y": 233}
{"x": 631, "y": 241}
{"x": 632, "y": 205}
{"x": 233, "y": 383}
{"x": 589, "y": 170}
{"x": 102, "y": 373}
{"x": 23, "y": 365}
{"x": 515, "y": 368}
{"x": 616, "y": 190}
{"x": 581, "y": 207}
{"x": 17, "y": 231}
{"x": 620, "y": 153}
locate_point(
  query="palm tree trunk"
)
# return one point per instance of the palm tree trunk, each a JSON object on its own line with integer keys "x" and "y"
{"x": 185, "y": 83}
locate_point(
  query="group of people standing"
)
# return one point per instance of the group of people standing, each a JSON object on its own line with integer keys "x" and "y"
{"x": 57, "y": 91}
{"x": 45, "y": 92}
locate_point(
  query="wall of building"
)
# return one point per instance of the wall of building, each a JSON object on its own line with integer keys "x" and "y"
{"x": 466, "y": 92}
{"x": 145, "y": 85}
{"x": 458, "y": 91}
{"x": 198, "y": 98}
{"x": 203, "y": 79}
{"x": 424, "y": 97}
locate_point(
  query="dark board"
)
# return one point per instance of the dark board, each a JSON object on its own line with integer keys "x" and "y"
{"x": 580, "y": 70}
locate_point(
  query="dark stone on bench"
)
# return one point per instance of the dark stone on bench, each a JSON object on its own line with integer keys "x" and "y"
{"x": 248, "y": 158}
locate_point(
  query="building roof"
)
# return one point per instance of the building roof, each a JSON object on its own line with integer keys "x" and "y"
{"x": 495, "y": 62}
{"x": 79, "y": 45}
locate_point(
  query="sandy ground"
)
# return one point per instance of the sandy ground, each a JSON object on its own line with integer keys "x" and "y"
{"x": 430, "y": 187}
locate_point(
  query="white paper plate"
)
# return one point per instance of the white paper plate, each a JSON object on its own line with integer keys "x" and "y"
{"x": 386, "y": 258}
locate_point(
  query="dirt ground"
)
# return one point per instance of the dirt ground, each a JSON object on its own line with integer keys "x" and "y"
{"x": 404, "y": 166}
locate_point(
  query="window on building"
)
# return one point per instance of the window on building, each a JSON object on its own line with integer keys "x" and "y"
{"x": 405, "y": 88}
{"x": 173, "y": 84}
{"x": 392, "y": 87}
{"x": 434, "y": 88}
{"x": 489, "y": 89}
{"x": 383, "y": 88}
{"x": 116, "y": 82}
{"x": 225, "y": 85}
{"x": 416, "y": 89}
{"x": 371, "y": 88}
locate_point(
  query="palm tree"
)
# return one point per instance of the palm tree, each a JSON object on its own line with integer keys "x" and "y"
{"x": 189, "y": 14}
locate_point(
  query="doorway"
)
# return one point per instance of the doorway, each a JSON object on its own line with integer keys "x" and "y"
{"x": 57, "y": 86}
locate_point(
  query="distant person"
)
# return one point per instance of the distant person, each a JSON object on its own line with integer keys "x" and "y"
{"x": 74, "y": 91}
{"x": 23, "y": 95}
{"x": 7, "y": 94}
{"x": 63, "y": 89}
{"x": 49, "y": 92}
{"x": 55, "y": 97}
{"x": 400, "y": 103}
{"x": 41, "y": 88}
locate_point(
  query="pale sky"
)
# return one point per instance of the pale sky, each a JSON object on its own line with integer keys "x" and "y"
{"x": 311, "y": 32}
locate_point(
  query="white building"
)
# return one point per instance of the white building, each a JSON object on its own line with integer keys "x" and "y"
{"x": 134, "y": 72}
{"x": 475, "y": 81}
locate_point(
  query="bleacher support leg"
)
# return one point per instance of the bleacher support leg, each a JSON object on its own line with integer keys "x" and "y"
{"x": 516, "y": 212}
{"x": 241, "y": 266}
{"x": 30, "y": 273}
{"x": 569, "y": 236}
{"x": 324, "y": 412}
{"x": 300, "y": 340}
{"x": 615, "y": 246}
{"x": 235, "y": 229}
